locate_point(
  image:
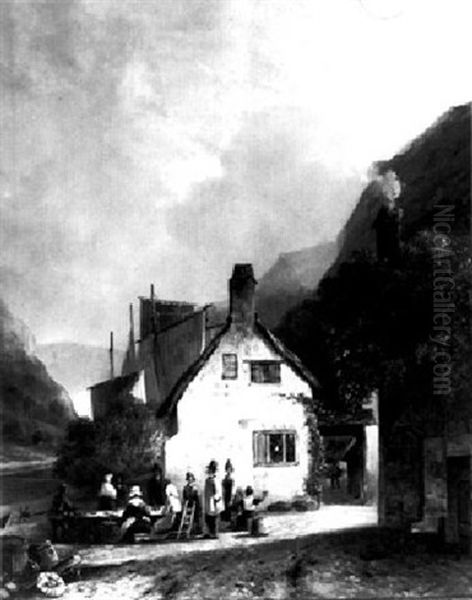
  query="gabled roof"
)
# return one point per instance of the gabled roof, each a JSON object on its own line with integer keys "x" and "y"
{"x": 290, "y": 358}
{"x": 179, "y": 389}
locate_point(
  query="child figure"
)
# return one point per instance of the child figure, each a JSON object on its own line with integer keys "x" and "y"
{"x": 249, "y": 507}
{"x": 237, "y": 510}
{"x": 252, "y": 516}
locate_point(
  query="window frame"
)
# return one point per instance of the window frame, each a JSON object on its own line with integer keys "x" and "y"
{"x": 224, "y": 375}
{"x": 265, "y": 363}
{"x": 266, "y": 433}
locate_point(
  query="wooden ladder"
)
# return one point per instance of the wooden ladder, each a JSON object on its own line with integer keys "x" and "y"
{"x": 186, "y": 522}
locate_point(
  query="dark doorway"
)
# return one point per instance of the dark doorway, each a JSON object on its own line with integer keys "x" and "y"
{"x": 458, "y": 492}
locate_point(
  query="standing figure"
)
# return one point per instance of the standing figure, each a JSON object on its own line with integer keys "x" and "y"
{"x": 191, "y": 496}
{"x": 156, "y": 488}
{"x": 211, "y": 500}
{"x": 121, "y": 491}
{"x": 227, "y": 487}
{"x": 107, "y": 494}
{"x": 335, "y": 476}
{"x": 173, "y": 503}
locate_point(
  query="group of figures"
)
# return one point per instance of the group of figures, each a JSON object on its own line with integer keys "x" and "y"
{"x": 219, "y": 500}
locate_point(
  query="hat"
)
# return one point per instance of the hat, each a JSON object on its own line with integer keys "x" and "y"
{"x": 135, "y": 492}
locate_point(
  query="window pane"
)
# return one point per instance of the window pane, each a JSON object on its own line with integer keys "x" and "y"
{"x": 276, "y": 447}
{"x": 273, "y": 372}
{"x": 289, "y": 447}
{"x": 259, "y": 447}
{"x": 265, "y": 371}
{"x": 257, "y": 374}
{"x": 230, "y": 366}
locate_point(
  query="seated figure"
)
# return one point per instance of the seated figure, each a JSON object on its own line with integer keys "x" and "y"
{"x": 136, "y": 516}
{"x": 60, "y": 512}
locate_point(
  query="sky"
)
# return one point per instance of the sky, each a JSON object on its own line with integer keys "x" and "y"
{"x": 162, "y": 141}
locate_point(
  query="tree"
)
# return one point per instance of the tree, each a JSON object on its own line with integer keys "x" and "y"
{"x": 128, "y": 441}
{"x": 369, "y": 327}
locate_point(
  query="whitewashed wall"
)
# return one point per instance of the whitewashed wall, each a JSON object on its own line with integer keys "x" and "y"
{"x": 217, "y": 418}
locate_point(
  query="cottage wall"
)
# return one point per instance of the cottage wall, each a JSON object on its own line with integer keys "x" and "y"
{"x": 217, "y": 419}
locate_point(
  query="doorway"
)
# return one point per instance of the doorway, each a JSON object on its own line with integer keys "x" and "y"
{"x": 458, "y": 495}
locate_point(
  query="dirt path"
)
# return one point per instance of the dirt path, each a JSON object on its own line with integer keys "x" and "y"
{"x": 362, "y": 563}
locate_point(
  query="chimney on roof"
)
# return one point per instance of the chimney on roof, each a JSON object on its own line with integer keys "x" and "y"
{"x": 242, "y": 287}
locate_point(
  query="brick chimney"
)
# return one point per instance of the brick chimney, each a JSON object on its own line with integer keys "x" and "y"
{"x": 242, "y": 286}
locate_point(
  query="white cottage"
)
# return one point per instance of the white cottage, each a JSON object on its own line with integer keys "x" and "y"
{"x": 247, "y": 399}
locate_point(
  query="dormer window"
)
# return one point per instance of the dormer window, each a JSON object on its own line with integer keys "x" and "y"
{"x": 229, "y": 366}
{"x": 265, "y": 371}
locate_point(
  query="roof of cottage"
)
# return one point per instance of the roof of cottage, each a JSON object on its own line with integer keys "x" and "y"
{"x": 183, "y": 382}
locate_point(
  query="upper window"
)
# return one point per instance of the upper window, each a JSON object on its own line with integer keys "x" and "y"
{"x": 265, "y": 371}
{"x": 274, "y": 448}
{"x": 230, "y": 366}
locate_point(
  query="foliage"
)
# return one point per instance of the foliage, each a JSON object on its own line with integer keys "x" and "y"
{"x": 369, "y": 327}
{"x": 127, "y": 441}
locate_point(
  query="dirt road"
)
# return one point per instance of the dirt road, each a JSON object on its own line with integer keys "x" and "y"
{"x": 361, "y": 563}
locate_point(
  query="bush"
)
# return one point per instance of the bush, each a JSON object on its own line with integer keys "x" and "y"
{"x": 127, "y": 441}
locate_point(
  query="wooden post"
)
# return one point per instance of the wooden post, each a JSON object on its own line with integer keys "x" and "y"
{"x": 112, "y": 370}
{"x": 132, "y": 348}
{"x": 153, "y": 310}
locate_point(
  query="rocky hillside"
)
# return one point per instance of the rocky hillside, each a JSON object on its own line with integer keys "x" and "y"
{"x": 433, "y": 169}
{"x": 291, "y": 279}
{"x": 30, "y": 400}
{"x": 78, "y": 366}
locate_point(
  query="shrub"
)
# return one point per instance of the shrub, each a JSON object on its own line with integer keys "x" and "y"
{"x": 127, "y": 441}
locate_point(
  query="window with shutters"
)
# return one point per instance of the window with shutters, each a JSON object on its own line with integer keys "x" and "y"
{"x": 265, "y": 371}
{"x": 230, "y": 366}
{"x": 272, "y": 448}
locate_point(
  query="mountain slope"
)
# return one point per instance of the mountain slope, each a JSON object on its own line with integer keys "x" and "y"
{"x": 291, "y": 279}
{"x": 433, "y": 169}
{"x": 30, "y": 399}
{"x": 78, "y": 366}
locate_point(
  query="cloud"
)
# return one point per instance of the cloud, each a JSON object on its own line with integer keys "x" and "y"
{"x": 164, "y": 140}
{"x": 94, "y": 127}
{"x": 272, "y": 197}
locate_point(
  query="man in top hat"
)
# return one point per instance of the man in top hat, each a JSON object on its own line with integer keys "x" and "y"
{"x": 211, "y": 500}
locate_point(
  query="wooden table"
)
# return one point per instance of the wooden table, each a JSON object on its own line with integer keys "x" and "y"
{"x": 101, "y": 526}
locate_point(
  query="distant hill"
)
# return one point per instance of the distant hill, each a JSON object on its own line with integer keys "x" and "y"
{"x": 78, "y": 366}
{"x": 30, "y": 399}
{"x": 292, "y": 278}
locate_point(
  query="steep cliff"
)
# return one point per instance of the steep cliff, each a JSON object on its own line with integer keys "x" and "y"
{"x": 433, "y": 169}
{"x": 291, "y": 279}
{"x": 30, "y": 400}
